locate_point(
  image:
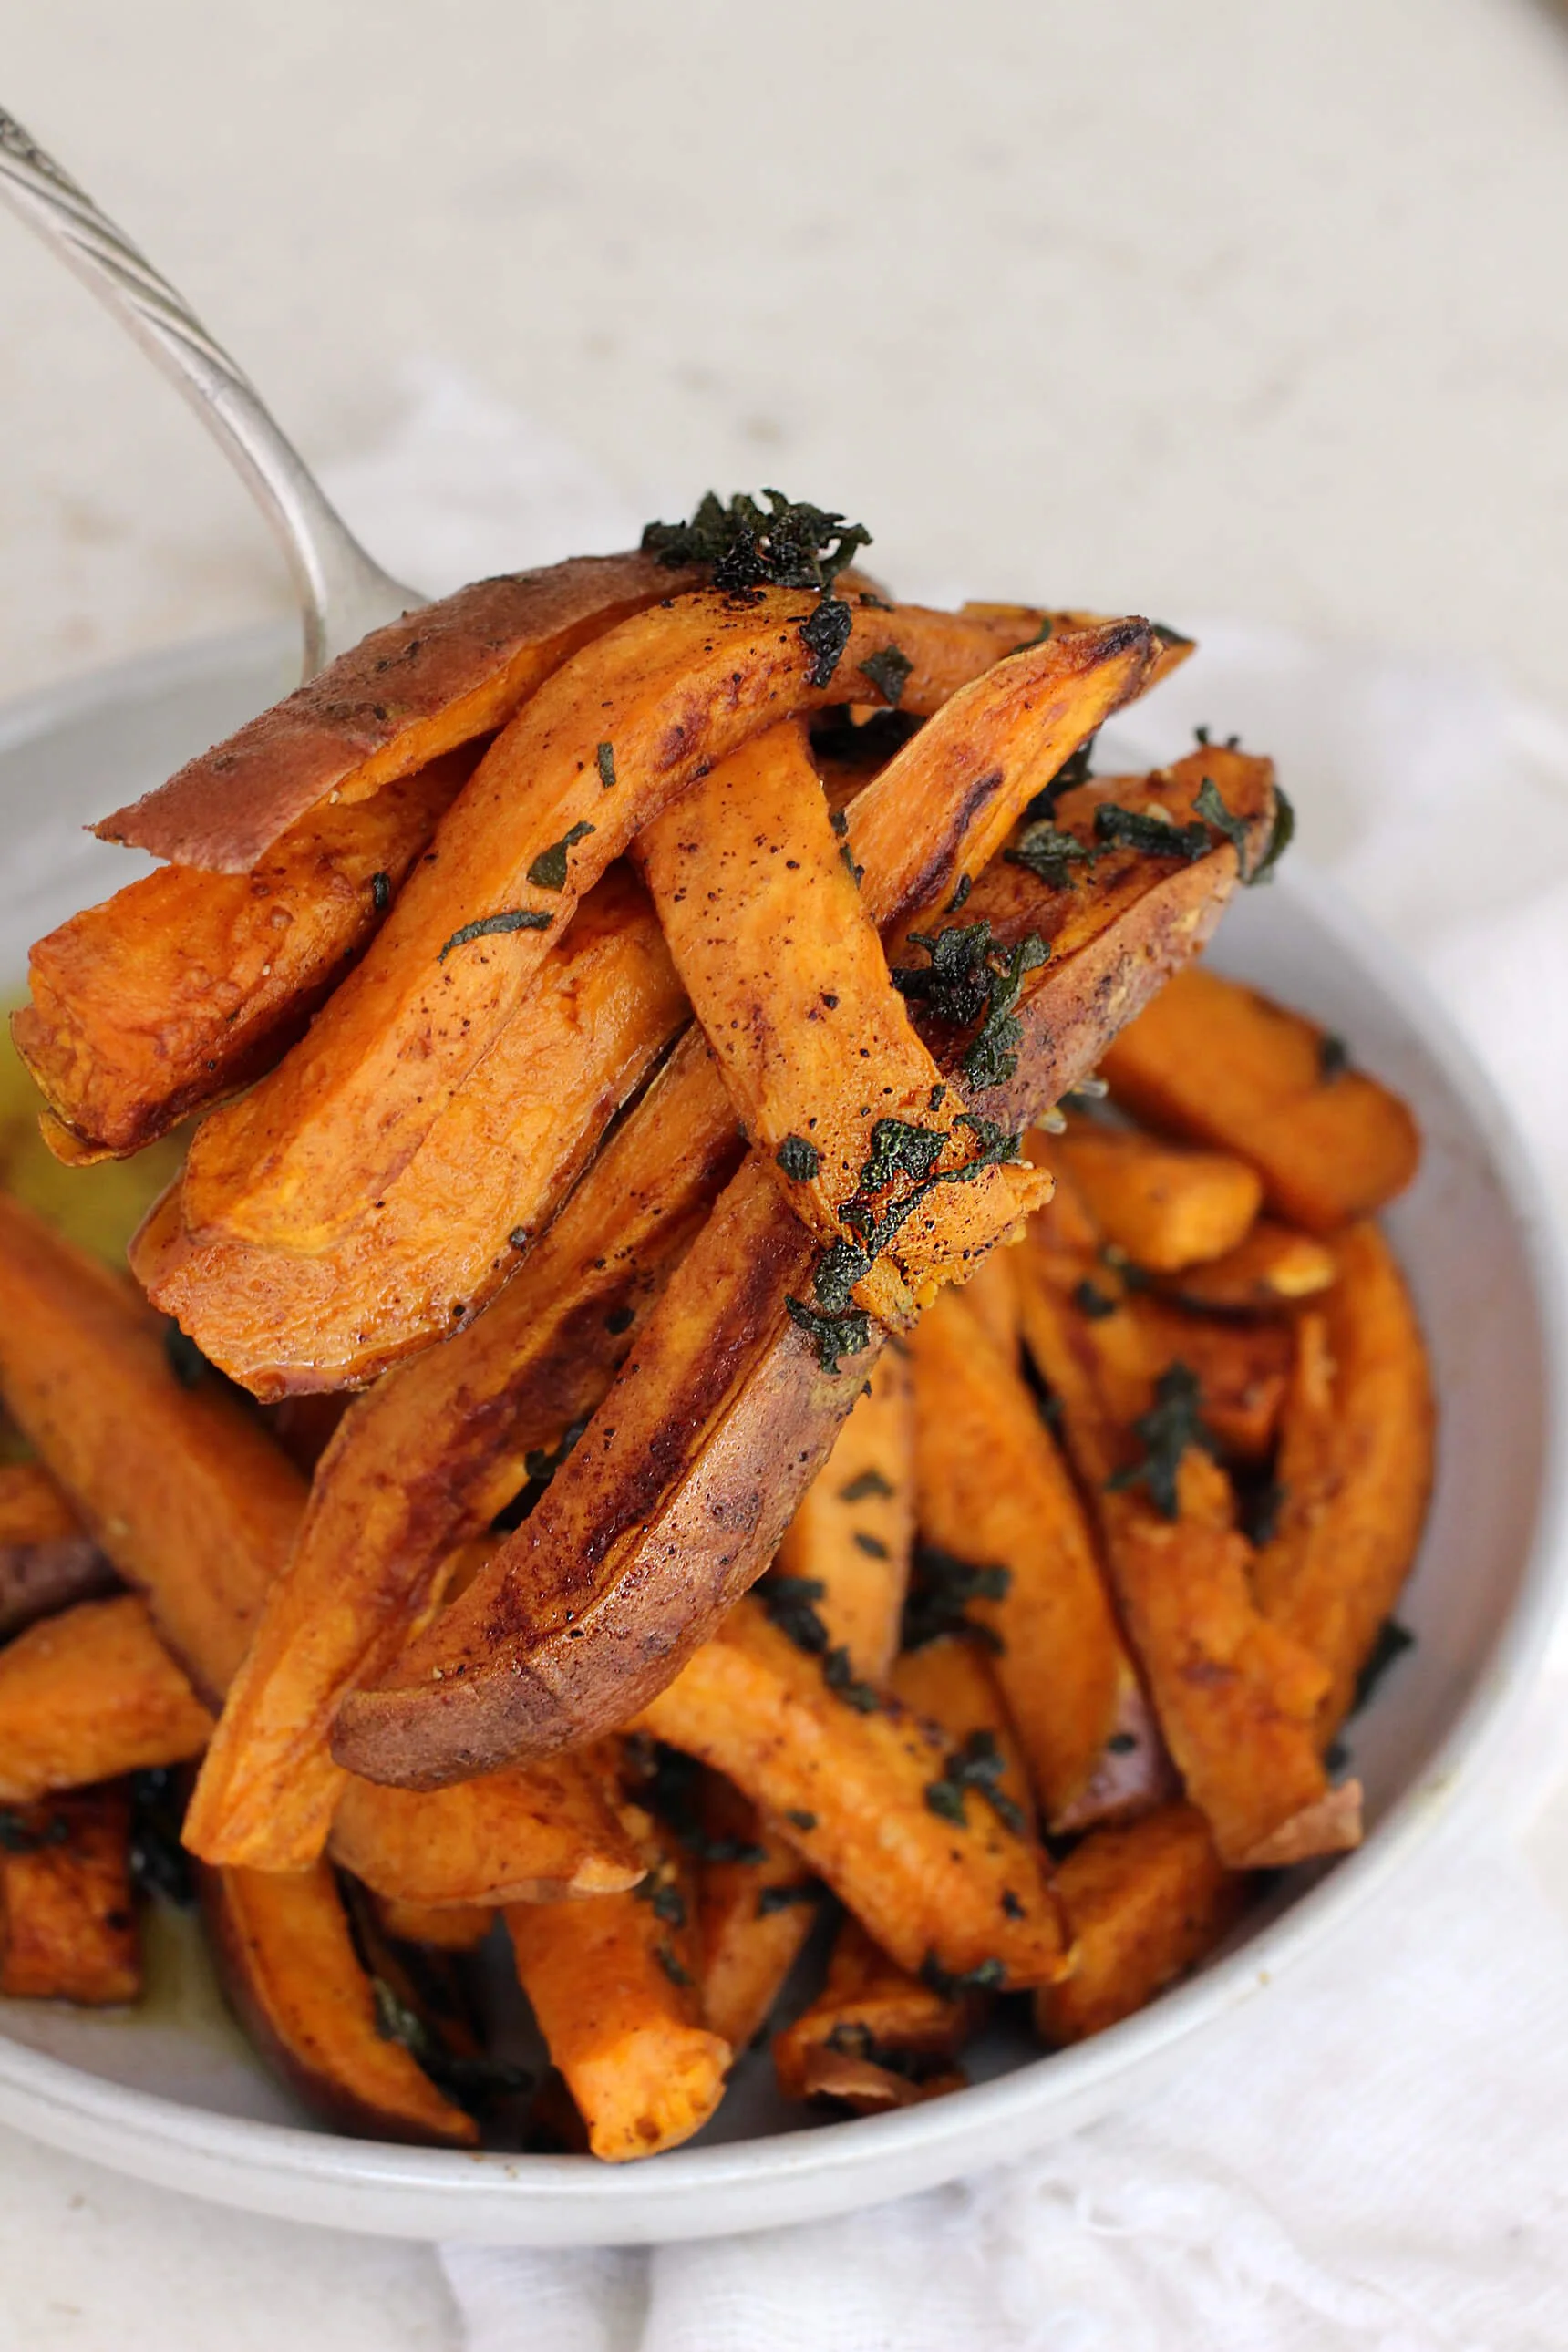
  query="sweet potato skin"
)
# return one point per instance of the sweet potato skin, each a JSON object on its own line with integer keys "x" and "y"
{"x": 1221, "y": 1064}
{"x": 1355, "y": 1462}
{"x": 437, "y": 677}
{"x": 181, "y": 1489}
{"x": 532, "y": 1835}
{"x": 188, "y": 984}
{"x": 1144, "y": 1904}
{"x": 289, "y": 1967}
{"x": 90, "y": 1695}
{"x": 68, "y": 1916}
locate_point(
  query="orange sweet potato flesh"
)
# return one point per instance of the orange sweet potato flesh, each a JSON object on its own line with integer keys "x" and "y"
{"x": 1165, "y": 1207}
{"x": 848, "y": 1786}
{"x": 756, "y": 1906}
{"x": 993, "y": 1491}
{"x": 517, "y": 1675}
{"x": 437, "y": 677}
{"x": 47, "y": 1560}
{"x": 288, "y": 1964}
{"x": 531, "y": 1835}
{"x": 68, "y": 1915}
{"x": 853, "y": 1530}
{"x": 452, "y": 1927}
{"x": 1237, "y": 1699}
{"x": 952, "y": 1682}
{"x": 670, "y": 692}
{"x": 1144, "y": 1904}
{"x": 1355, "y": 1462}
{"x": 446, "y": 1233}
{"x": 875, "y": 2036}
{"x": 180, "y": 1487}
{"x": 612, "y": 1985}
{"x": 187, "y": 984}
{"x": 33, "y": 1508}
{"x": 1218, "y": 1064}
{"x": 1271, "y": 1269}
{"x": 427, "y": 1458}
{"x": 90, "y": 1695}
{"x": 1243, "y": 1369}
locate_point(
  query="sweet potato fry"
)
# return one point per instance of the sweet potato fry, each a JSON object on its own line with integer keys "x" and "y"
{"x": 952, "y": 1682}
{"x": 33, "y": 1509}
{"x": 419, "y": 686}
{"x": 846, "y": 1780}
{"x": 429, "y": 1457}
{"x": 991, "y": 1295}
{"x": 613, "y": 738}
{"x": 1237, "y": 1699}
{"x": 180, "y": 1486}
{"x": 444, "y": 1927}
{"x": 1355, "y": 1462}
{"x": 757, "y": 1903}
{"x": 90, "y": 1695}
{"x": 1144, "y": 1905}
{"x": 68, "y": 1916}
{"x": 852, "y": 1533}
{"x": 1220, "y": 1065}
{"x": 994, "y": 1494}
{"x": 612, "y": 1985}
{"x": 1273, "y": 1268}
{"x": 875, "y": 2037}
{"x": 48, "y": 1561}
{"x": 534, "y": 1836}
{"x": 1165, "y": 1206}
{"x": 446, "y": 1235}
{"x": 187, "y": 984}
{"x": 1242, "y": 1369}
{"x": 289, "y": 1967}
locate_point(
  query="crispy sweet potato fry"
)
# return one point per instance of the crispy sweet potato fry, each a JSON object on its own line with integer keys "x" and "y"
{"x": 180, "y": 1486}
{"x": 419, "y": 686}
{"x": 1221, "y": 1064}
{"x": 991, "y": 1295}
{"x": 952, "y": 1683}
{"x": 848, "y": 1784}
{"x": 1355, "y": 1464}
{"x": 90, "y": 1695}
{"x": 67, "y": 1916}
{"x": 855, "y": 1525}
{"x": 1236, "y": 1698}
{"x": 1272, "y": 1268}
{"x": 995, "y": 1492}
{"x": 291, "y": 1974}
{"x": 508, "y": 1684}
{"x": 430, "y": 1455}
{"x": 48, "y": 1562}
{"x": 1243, "y": 1369}
{"x": 445, "y": 1928}
{"x": 446, "y": 1235}
{"x": 1144, "y": 1905}
{"x": 875, "y": 2037}
{"x": 667, "y": 694}
{"x": 757, "y": 1903}
{"x": 531, "y": 1835}
{"x": 187, "y": 984}
{"x": 1165, "y": 1206}
{"x": 612, "y": 1985}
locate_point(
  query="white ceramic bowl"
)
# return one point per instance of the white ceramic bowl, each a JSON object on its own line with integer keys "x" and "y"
{"x": 172, "y": 2094}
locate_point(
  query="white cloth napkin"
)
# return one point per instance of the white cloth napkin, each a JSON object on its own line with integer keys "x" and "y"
{"x": 1375, "y": 2157}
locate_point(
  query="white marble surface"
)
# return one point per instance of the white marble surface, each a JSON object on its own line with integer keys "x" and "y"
{"x": 1190, "y": 305}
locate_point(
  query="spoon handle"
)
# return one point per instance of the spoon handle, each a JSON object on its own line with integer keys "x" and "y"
{"x": 342, "y": 593}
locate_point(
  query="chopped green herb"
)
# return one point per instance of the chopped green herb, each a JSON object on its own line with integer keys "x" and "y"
{"x": 961, "y": 896}
{"x": 548, "y": 871}
{"x": 979, "y": 1765}
{"x": 857, "y": 873}
{"x": 943, "y": 1799}
{"x": 1042, "y": 635}
{"x": 791, "y": 1604}
{"x": 1201, "y": 738}
{"x": 792, "y": 545}
{"x": 1171, "y": 1425}
{"x": 159, "y": 1862}
{"x": 872, "y": 1546}
{"x": 1150, "y": 836}
{"x": 18, "y": 1835}
{"x": 672, "y": 1790}
{"x": 1333, "y": 1058}
{"x": 604, "y": 759}
{"x": 839, "y": 1673}
{"x": 1392, "y": 1641}
{"x": 824, "y": 633}
{"x": 678, "y": 1974}
{"x": 1213, "y": 809}
{"x": 663, "y": 1899}
{"x": 889, "y": 672}
{"x": 839, "y": 820}
{"x": 900, "y": 1149}
{"x": 860, "y": 1489}
{"x": 955, "y": 986}
{"x": 1012, "y": 1905}
{"x": 381, "y": 892}
{"x": 840, "y": 1268}
{"x": 516, "y": 919}
{"x": 1093, "y": 1303}
{"x": 783, "y": 1898}
{"x": 799, "y": 1160}
{"x": 833, "y": 1335}
{"x": 941, "y": 1589}
{"x": 1280, "y": 839}
{"x": 1049, "y": 855}
{"x": 989, "y": 1976}
{"x": 798, "y": 1818}
{"x": 992, "y": 1058}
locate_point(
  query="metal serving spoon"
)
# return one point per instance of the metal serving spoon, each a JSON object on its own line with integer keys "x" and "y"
{"x": 343, "y": 595}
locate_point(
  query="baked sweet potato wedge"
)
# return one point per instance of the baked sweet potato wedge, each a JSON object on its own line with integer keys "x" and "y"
{"x": 757, "y": 1903}
{"x": 852, "y": 1533}
{"x": 875, "y": 2037}
{"x": 47, "y": 1559}
{"x": 187, "y": 984}
{"x": 1272, "y": 1269}
{"x": 1356, "y": 1465}
{"x": 608, "y": 741}
{"x": 1144, "y": 1904}
{"x": 531, "y": 1835}
{"x": 1242, "y": 1369}
{"x": 90, "y": 1695}
{"x": 287, "y": 1960}
{"x": 442, "y": 1927}
{"x": 68, "y": 1915}
{"x": 440, "y": 677}
{"x": 1165, "y": 1206}
{"x": 181, "y": 1487}
{"x": 845, "y": 1779}
{"x": 446, "y": 1233}
{"x": 1220, "y": 1065}
{"x": 613, "y": 1988}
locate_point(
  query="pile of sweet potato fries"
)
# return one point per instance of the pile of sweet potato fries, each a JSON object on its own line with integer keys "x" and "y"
{"x": 639, "y": 1414}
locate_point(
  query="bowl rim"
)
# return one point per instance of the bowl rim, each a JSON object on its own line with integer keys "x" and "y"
{"x": 249, "y": 2161}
